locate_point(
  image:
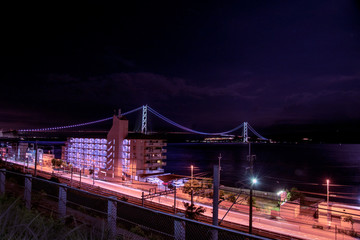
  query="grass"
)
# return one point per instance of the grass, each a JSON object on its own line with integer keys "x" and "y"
{"x": 17, "y": 222}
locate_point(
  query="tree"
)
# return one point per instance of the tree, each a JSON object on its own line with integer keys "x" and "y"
{"x": 193, "y": 212}
{"x": 222, "y": 194}
{"x": 232, "y": 198}
{"x": 195, "y": 184}
{"x": 295, "y": 194}
{"x": 56, "y": 162}
{"x": 53, "y": 162}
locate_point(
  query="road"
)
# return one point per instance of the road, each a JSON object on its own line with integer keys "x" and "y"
{"x": 300, "y": 231}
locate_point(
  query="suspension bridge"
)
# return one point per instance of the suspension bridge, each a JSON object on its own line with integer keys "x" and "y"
{"x": 145, "y": 109}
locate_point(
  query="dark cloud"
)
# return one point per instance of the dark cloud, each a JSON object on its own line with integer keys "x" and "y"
{"x": 209, "y": 65}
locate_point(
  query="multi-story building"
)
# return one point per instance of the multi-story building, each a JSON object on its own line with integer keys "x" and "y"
{"x": 120, "y": 155}
{"x": 148, "y": 155}
{"x": 86, "y": 153}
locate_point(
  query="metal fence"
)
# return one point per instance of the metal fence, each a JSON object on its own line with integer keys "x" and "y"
{"x": 123, "y": 219}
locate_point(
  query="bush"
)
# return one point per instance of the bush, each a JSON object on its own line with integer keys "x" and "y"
{"x": 221, "y": 194}
{"x": 194, "y": 184}
{"x": 232, "y": 198}
{"x": 17, "y": 222}
{"x": 56, "y": 162}
{"x": 193, "y": 212}
{"x": 124, "y": 199}
{"x": 54, "y": 179}
{"x": 137, "y": 230}
{"x": 294, "y": 194}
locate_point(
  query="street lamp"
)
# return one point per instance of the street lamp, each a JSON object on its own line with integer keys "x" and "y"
{"x": 327, "y": 201}
{"x": 327, "y": 191}
{"x": 253, "y": 181}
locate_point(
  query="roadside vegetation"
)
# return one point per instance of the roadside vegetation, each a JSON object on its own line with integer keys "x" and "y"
{"x": 193, "y": 212}
{"x": 17, "y": 222}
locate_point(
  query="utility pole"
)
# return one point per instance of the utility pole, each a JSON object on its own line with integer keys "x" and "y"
{"x": 327, "y": 191}
{"x": 175, "y": 200}
{"x": 251, "y": 159}
{"x": 327, "y": 201}
{"x": 36, "y": 157}
{"x": 216, "y": 195}
{"x": 93, "y": 173}
{"x": 220, "y": 157}
{"x": 71, "y": 175}
{"x": 250, "y": 209}
{"x": 253, "y": 181}
{"x": 191, "y": 185}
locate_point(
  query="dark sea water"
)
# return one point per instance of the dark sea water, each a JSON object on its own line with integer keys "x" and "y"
{"x": 277, "y": 166}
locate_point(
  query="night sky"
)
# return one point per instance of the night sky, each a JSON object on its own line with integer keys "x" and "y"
{"x": 283, "y": 66}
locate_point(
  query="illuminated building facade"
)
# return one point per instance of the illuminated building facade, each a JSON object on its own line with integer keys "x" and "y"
{"x": 86, "y": 154}
{"x": 147, "y": 156}
{"x": 117, "y": 156}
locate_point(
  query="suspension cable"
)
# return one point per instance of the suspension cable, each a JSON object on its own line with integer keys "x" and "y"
{"x": 188, "y": 129}
{"x": 75, "y": 125}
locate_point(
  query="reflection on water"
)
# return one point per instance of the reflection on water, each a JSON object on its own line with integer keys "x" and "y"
{"x": 278, "y": 166}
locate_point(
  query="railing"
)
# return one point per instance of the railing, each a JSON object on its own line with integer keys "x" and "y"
{"x": 155, "y": 157}
{"x": 148, "y": 165}
{"x": 123, "y": 218}
{"x": 156, "y": 144}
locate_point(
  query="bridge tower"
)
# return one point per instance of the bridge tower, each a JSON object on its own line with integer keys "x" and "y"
{"x": 144, "y": 119}
{"x": 245, "y": 132}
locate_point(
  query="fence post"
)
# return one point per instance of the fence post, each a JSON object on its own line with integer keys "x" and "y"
{"x": 62, "y": 201}
{"x": 112, "y": 216}
{"x": 142, "y": 199}
{"x": 216, "y": 185}
{"x": 2, "y": 181}
{"x": 27, "y": 193}
{"x": 175, "y": 200}
{"x": 179, "y": 228}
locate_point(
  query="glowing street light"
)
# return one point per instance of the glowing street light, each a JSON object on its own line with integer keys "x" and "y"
{"x": 327, "y": 201}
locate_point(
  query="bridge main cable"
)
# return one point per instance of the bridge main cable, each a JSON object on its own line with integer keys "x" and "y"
{"x": 188, "y": 129}
{"x": 256, "y": 133}
{"x": 76, "y": 125}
